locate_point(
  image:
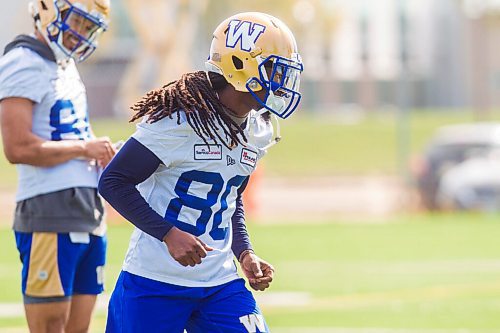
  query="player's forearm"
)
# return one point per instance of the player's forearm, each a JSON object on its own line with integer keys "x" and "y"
{"x": 125, "y": 199}
{"x": 38, "y": 152}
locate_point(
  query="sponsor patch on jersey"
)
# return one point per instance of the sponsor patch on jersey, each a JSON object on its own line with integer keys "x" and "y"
{"x": 248, "y": 157}
{"x": 207, "y": 152}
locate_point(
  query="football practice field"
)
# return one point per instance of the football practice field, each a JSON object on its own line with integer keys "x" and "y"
{"x": 410, "y": 273}
{"x": 435, "y": 274}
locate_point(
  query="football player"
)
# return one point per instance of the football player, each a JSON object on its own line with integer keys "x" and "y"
{"x": 180, "y": 177}
{"x": 46, "y": 133}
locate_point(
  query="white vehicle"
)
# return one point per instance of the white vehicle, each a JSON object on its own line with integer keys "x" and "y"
{"x": 461, "y": 168}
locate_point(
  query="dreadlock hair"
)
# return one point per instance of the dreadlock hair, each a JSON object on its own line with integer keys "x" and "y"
{"x": 196, "y": 95}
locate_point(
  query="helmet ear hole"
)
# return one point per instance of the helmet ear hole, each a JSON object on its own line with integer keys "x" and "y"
{"x": 238, "y": 64}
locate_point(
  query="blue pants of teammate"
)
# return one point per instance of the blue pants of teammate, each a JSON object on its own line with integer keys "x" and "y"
{"x": 139, "y": 305}
{"x": 55, "y": 266}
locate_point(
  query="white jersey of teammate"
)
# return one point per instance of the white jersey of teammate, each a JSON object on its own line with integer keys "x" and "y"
{"x": 59, "y": 113}
{"x": 195, "y": 188}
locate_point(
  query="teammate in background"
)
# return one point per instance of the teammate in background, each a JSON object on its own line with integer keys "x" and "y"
{"x": 58, "y": 220}
{"x": 190, "y": 158}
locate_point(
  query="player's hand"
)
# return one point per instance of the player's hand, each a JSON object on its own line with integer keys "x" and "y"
{"x": 100, "y": 149}
{"x": 258, "y": 272}
{"x": 185, "y": 248}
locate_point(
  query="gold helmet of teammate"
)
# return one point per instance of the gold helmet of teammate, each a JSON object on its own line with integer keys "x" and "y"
{"x": 71, "y": 27}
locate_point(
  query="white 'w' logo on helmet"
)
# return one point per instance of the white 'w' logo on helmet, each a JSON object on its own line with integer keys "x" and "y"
{"x": 244, "y": 32}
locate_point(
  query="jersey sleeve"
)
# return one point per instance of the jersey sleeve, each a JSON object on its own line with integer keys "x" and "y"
{"x": 164, "y": 138}
{"x": 22, "y": 75}
{"x": 241, "y": 239}
{"x": 132, "y": 165}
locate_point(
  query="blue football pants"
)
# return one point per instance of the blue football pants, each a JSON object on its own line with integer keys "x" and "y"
{"x": 139, "y": 305}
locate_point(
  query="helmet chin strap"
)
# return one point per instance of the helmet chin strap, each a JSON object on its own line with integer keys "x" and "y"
{"x": 276, "y": 128}
{"x": 277, "y": 136}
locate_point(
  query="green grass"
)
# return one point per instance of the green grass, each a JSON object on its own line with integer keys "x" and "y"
{"x": 415, "y": 272}
{"x": 320, "y": 145}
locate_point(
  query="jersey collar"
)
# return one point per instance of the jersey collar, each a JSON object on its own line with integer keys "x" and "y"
{"x": 42, "y": 49}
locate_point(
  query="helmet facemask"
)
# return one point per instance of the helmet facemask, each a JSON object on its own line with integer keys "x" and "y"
{"x": 279, "y": 77}
{"x": 72, "y": 30}
{"x": 78, "y": 32}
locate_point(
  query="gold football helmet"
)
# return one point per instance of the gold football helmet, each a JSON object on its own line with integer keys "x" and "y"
{"x": 255, "y": 51}
{"x": 71, "y": 27}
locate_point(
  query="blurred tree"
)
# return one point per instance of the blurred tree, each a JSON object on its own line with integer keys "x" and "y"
{"x": 166, "y": 33}
{"x": 174, "y": 37}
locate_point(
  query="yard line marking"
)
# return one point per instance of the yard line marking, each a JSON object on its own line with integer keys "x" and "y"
{"x": 282, "y": 299}
{"x": 271, "y": 299}
{"x": 9, "y": 310}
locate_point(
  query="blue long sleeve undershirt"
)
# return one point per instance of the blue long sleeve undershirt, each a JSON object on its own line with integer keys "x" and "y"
{"x": 132, "y": 165}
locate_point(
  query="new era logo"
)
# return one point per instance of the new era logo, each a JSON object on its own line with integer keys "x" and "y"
{"x": 230, "y": 160}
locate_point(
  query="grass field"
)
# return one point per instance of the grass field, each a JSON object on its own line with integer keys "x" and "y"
{"x": 421, "y": 273}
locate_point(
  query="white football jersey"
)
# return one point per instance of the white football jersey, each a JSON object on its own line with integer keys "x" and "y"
{"x": 195, "y": 189}
{"x": 59, "y": 113}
